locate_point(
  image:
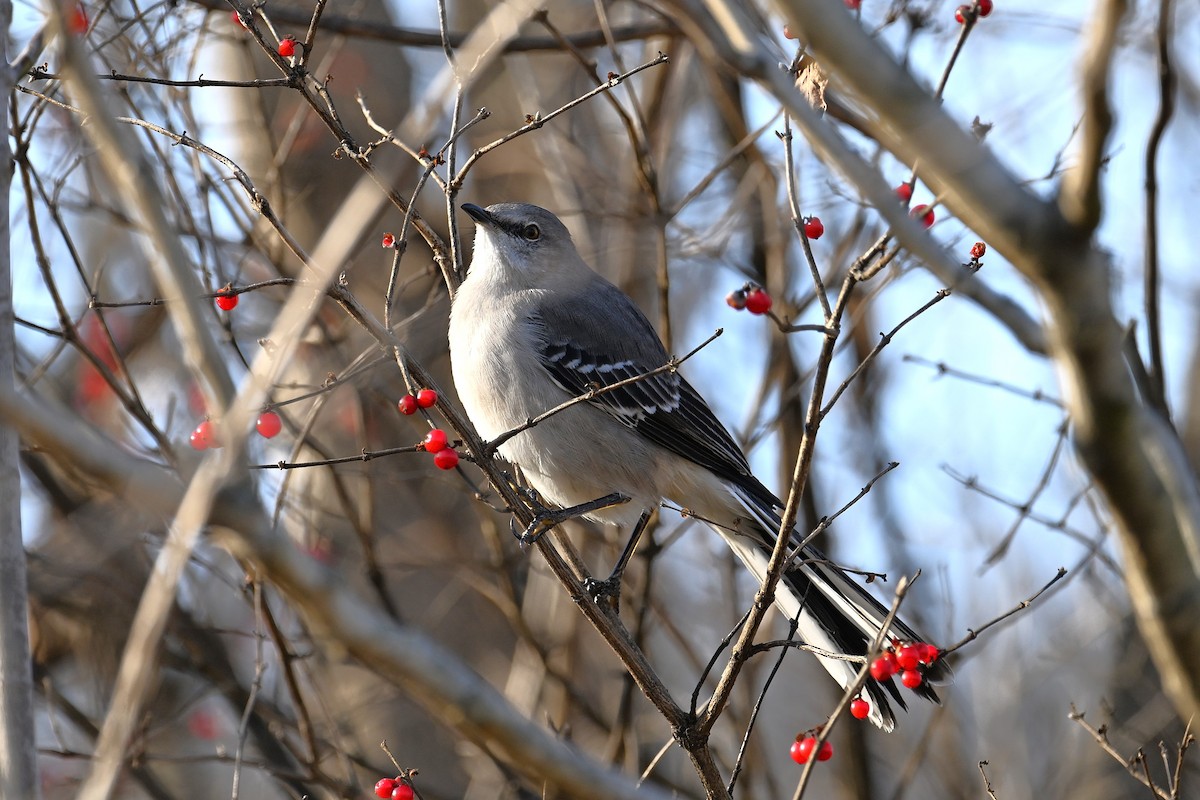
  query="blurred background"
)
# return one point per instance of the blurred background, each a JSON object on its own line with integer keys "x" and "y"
{"x": 674, "y": 185}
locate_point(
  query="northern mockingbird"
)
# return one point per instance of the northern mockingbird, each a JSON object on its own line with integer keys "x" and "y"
{"x": 532, "y": 326}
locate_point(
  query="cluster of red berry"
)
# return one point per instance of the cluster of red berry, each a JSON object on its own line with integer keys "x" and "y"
{"x": 444, "y": 456}
{"x": 981, "y": 7}
{"x": 922, "y": 212}
{"x": 751, "y": 297}
{"x": 908, "y": 659}
{"x": 436, "y": 441}
{"x": 394, "y": 788}
{"x": 205, "y": 436}
{"x": 805, "y": 744}
{"x": 425, "y": 398}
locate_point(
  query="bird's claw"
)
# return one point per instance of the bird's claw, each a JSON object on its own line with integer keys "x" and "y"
{"x": 604, "y": 591}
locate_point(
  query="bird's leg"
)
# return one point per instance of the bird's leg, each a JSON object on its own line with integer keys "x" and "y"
{"x": 610, "y": 587}
{"x": 546, "y": 519}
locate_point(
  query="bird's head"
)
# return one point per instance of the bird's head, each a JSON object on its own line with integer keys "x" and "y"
{"x": 523, "y": 243}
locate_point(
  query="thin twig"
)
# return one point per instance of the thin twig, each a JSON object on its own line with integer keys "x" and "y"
{"x": 1043, "y": 482}
{"x": 884, "y": 340}
{"x": 39, "y": 74}
{"x": 1101, "y": 736}
{"x": 260, "y": 669}
{"x": 1166, "y": 109}
{"x": 987, "y": 783}
{"x": 536, "y": 121}
{"x": 794, "y": 203}
{"x": 824, "y": 524}
{"x": 973, "y": 633}
{"x": 758, "y": 704}
{"x": 1037, "y": 395}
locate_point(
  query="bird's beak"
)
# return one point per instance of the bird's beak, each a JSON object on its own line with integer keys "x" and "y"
{"x": 480, "y": 215}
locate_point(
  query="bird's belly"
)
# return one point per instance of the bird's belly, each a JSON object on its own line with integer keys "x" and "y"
{"x": 574, "y": 456}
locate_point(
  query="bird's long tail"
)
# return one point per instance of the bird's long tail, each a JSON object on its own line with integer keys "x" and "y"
{"x": 834, "y": 613}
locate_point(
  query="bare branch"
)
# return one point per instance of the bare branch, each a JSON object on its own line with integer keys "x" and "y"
{"x": 432, "y": 675}
{"x": 987, "y": 783}
{"x": 1166, "y": 109}
{"x": 373, "y": 29}
{"x": 973, "y": 633}
{"x": 1131, "y": 765}
{"x": 1079, "y": 195}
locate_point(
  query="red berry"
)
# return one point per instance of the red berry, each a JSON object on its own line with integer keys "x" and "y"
{"x": 978, "y": 250}
{"x": 758, "y": 301}
{"x": 929, "y": 654}
{"x": 202, "y": 725}
{"x": 237, "y": 18}
{"x": 813, "y": 228}
{"x": 204, "y": 437}
{"x": 961, "y": 13}
{"x": 884, "y": 667}
{"x": 826, "y": 752}
{"x": 198, "y": 440}
{"x": 910, "y": 656}
{"x": 911, "y": 678}
{"x": 426, "y": 398}
{"x": 854, "y": 5}
{"x": 924, "y": 213}
{"x": 802, "y": 749}
{"x": 445, "y": 459}
{"x": 984, "y": 6}
{"x": 904, "y": 192}
{"x": 736, "y": 299}
{"x": 860, "y": 709}
{"x": 402, "y": 792}
{"x": 435, "y": 441}
{"x": 268, "y": 425}
{"x": 384, "y": 787}
{"x": 227, "y": 302}
{"x": 287, "y": 47}
{"x": 389, "y": 240}
{"x": 787, "y": 33}
{"x": 407, "y": 405}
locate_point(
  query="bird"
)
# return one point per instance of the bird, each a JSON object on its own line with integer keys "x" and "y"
{"x": 532, "y": 326}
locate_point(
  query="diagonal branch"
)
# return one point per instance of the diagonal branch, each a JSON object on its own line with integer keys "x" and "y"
{"x": 1166, "y": 109}
{"x": 1079, "y": 194}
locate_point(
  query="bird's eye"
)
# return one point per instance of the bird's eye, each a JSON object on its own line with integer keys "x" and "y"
{"x": 531, "y": 232}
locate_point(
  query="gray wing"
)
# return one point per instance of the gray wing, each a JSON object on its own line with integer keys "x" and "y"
{"x": 585, "y": 350}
